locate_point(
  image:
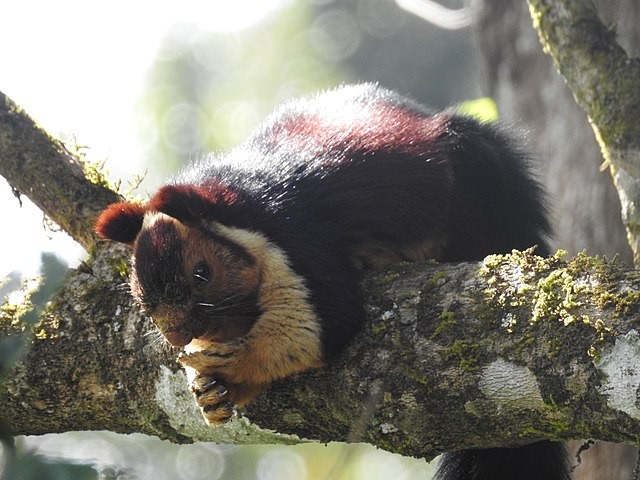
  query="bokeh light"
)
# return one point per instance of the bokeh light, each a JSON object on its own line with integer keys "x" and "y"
{"x": 202, "y": 461}
{"x": 281, "y": 464}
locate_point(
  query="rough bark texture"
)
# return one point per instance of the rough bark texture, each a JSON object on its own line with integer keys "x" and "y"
{"x": 42, "y": 168}
{"x": 454, "y": 356}
{"x": 596, "y": 62}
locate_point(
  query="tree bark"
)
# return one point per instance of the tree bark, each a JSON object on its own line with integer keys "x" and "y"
{"x": 510, "y": 350}
{"x": 584, "y": 202}
{"x": 53, "y": 178}
{"x": 595, "y": 62}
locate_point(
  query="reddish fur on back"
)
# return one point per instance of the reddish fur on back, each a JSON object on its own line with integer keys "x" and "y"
{"x": 375, "y": 127}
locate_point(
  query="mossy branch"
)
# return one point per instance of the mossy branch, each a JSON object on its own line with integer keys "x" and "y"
{"x": 605, "y": 82}
{"x": 507, "y": 351}
{"x": 41, "y": 167}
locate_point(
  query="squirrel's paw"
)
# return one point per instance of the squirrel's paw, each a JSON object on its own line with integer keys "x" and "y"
{"x": 213, "y": 399}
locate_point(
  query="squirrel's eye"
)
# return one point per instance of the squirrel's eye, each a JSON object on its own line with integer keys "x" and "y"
{"x": 202, "y": 273}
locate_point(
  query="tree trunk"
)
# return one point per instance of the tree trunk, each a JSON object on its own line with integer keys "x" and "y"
{"x": 530, "y": 93}
{"x": 586, "y": 206}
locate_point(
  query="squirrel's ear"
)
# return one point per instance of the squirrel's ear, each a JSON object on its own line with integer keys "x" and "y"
{"x": 190, "y": 203}
{"x": 121, "y": 222}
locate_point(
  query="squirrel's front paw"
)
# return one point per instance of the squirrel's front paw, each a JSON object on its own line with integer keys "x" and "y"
{"x": 222, "y": 359}
{"x": 213, "y": 399}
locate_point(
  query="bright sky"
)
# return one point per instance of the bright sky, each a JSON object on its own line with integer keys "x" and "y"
{"x": 78, "y": 68}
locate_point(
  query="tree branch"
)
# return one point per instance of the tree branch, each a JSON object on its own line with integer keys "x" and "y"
{"x": 42, "y": 168}
{"x": 500, "y": 353}
{"x": 503, "y": 352}
{"x": 606, "y": 84}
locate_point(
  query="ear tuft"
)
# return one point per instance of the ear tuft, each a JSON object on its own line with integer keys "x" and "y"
{"x": 121, "y": 222}
{"x": 190, "y": 203}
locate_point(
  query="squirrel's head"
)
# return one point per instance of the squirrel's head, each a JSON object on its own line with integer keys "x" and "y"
{"x": 196, "y": 277}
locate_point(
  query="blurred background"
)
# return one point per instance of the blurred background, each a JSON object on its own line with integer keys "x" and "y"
{"x": 143, "y": 87}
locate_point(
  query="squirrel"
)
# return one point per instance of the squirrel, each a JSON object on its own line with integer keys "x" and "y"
{"x": 250, "y": 261}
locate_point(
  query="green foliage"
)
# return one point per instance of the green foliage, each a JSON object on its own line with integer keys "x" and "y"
{"x": 483, "y": 109}
{"x": 52, "y": 272}
{"x": 15, "y": 324}
{"x": 34, "y": 467}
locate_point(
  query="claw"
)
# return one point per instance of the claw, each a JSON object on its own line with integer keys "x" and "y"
{"x": 218, "y": 414}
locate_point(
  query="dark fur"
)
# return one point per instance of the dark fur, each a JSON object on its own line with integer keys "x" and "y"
{"x": 352, "y": 178}
{"x": 537, "y": 461}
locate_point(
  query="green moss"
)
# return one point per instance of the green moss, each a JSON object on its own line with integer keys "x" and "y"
{"x": 410, "y": 295}
{"x": 558, "y": 423}
{"x": 391, "y": 446}
{"x": 499, "y": 271}
{"x": 472, "y": 409}
{"x": 10, "y": 317}
{"x": 604, "y": 275}
{"x": 447, "y": 321}
{"x": 613, "y": 130}
{"x": 150, "y": 417}
{"x": 465, "y": 353}
{"x": 293, "y": 418}
{"x": 391, "y": 277}
{"x": 556, "y": 297}
{"x": 415, "y": 376}
{"x": 526, "y": 341}
{"x": 526, "y": 292}
{"x": 378, "y": 329}
{"x": 436, "y": 279}
{"x": 570, "y": 38}
{"x": 626, "y": 303}
{"x": 603, "y": 334}
{"x": 94, "y": 172}
{"x": 537, "y": 12}
{"x": 552, "y": 286}
{"x": 447, "y": 316}
{"x": 120, "y": 265}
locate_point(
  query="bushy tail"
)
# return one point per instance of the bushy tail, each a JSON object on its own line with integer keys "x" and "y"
{"x": 537, "y": 461}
